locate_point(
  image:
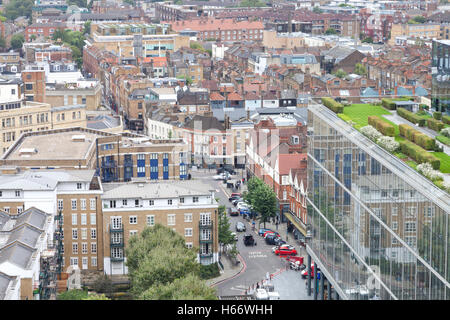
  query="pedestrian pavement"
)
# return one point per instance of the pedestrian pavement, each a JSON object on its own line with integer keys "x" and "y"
{"x": 229, "y": 270}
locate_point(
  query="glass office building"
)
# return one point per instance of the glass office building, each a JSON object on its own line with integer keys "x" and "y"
{"x": 440, "y": 71}
{"x": 379, "y": 228}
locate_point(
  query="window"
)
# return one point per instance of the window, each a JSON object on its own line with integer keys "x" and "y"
{"x": 151, "y": 220}
{"x": 74, "y": 204}
{"x": 171, "y": 220}
{"x": 93, "y": 247}
{"x": 194, "y": 199}
{"x": 74, "y": 234}
{"x": 116, "y": 253}
{"x": 394, "y": 211}
{"x": 411, "y": 212}
{"x": 151, "y": 202}
{"x": 133, "y": 232}
{"x": 188, "y": 217}
{"x": 394, "y": 225}
{"x": 60, "y": 204}
{"x": 189, "y": 245}
{"x": 181, "y": 200}
{"x": 17, "y": 193}
{"x": 84, "y": 234}
{"x": 93, "y": 218}
{"x": 124, "y": 202}
{"x": 394, "y": 240}
{"x": 169, "y": 202}
{"x": 74, "y": 219}
{"x": 188, "y": 232}
{"x": 92, "y": 203}
{"x": 205, "y": 218}
{"x": 19, "y": 210}
{"x": 410, "y": 226}
{"x": 93, "y": 233}
{"x": 133, "y": 219}
{"x": 83, "y": 218}
{"x": 84, "y": 248}
{"x": 79, "y": 186}
{"x": 73, "y": 261}
{"x": 94, "y": 261}
{"x": 75, "y": 248}
{"x": 136, "y": 203}
{"x": 83, "y": 204}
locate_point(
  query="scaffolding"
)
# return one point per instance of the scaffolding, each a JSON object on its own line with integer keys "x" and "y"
{"x": 51, "y": 264}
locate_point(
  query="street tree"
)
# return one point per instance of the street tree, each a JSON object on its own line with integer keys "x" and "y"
{"x": 187, "y": 288}
{"x": 340, "y": 73}
{"x": 265, "y": 203}
{"x": 330, "y": 31}
{"x": 252, "y": 185}
{"x": 158, "y": 256}
{"x": 225, "y": 236}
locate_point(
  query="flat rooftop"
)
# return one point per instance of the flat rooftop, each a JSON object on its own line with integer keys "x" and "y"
{"x": 53, "y": 145}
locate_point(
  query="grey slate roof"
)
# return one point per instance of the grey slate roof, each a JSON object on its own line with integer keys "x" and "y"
{"x": 24, "y": 234}
{"x": 33, "y": 217}
{"x": 5, "y": 280}
{"x": 18, "y": 254}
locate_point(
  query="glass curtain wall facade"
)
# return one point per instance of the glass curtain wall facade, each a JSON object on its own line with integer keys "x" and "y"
{"x": 378, "y": 227}
{"x": 440, "y": 82}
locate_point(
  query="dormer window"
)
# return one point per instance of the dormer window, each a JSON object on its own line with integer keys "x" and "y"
{"x": 295, "y": 140}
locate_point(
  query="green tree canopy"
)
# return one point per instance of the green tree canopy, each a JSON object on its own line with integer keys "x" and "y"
{"x": 2, "y": 43}
{"x": 340, "y": 73}
{"x": 330, "y": 31}
{"x": 225, "y": 236}
{"x": 262, "y": 199}
{"x": 187, "y": 288}
{"x": 158, "y": 256}
{"x": 417, "y": 20}
{"x": 96, "y": 297}
{"x": 75, "y": 294}
{"x": 368, "y": 40}
{"x": 360, "y": 69}
{"x": 252, "y": 3}
{"x": 18, "y": 8}
{"x": 317, "y": 10}
{"x": 17, "y": 41}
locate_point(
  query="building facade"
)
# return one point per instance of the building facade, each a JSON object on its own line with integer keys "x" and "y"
{"x": 188, "y": 208}
{"x": 440, "y": 83}
{"x": 379, "y": 228}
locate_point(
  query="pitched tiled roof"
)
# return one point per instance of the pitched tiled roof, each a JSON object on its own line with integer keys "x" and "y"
{"x": 215, "y": 96}
{"x": 234, "y": 96}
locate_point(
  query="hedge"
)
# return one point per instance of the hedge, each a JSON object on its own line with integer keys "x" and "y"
{"x": 388, "y": 103}
{"x": 402, "y": 112}
{"x": 435, "y": 125}
{"x": 437, "y": 115}
{"x": 419, "y": 155}
{"x": 446, "y": 119}
{"x": 333, "y": 105}
{"x": 384, "y": 127}
{"x": 417, "y": 137}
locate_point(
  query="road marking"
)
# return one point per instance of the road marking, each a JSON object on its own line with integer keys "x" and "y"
{"x": 237, "y": 289}
{"x": 256, "y": 254}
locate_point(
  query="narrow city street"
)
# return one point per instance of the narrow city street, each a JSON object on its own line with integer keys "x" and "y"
{"x": 259, "y": 261}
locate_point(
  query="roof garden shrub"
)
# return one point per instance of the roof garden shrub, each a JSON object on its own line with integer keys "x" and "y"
{"x": 402, "y": 112}
{"x": 419, "y": 154}
{"x": 435, "y": 125}
{"x": 437, "y": 115}
{"x": 384, "y": 127}
{"x": 417, "y": 137}
{"x": 446, "y": 119}
{"x": 333, "y": 105}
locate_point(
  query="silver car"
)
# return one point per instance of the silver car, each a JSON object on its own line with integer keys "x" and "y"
{"x": 240, "y": 226}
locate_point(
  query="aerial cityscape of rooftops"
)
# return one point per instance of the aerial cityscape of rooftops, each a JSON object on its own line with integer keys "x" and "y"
{"x": 225, "y": 150}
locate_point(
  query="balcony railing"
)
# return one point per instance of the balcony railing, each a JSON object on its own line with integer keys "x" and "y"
{"x": 208, "y": 225}
{"x": 118, "y": 229}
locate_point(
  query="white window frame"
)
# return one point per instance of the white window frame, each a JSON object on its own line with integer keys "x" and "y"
{"x": 150, "y": 219}
{"x": 93, "y": 233}
{"x": 83, "y": 219}
{"x": 74, "y": 234}
{"x": 93, "y": 247}
{"x": 83, "y": 234}
{"x": 188, "y": 217}
{"x": 171, "y": 219}
{"x": 188, "y": 232}
{"x": 74, "y": 204}
{"x": 133, "y": 219}
{"x": 93, "y": 219}
{"x": 92, "y": 203}
{"x": 74, "y": 219}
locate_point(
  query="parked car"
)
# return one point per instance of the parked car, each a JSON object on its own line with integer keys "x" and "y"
{"x": 226, "y": 169}
{"x": 233, "y": 212}
{"x": 285, "y": 250}
{"x": 242, "y": 205}
{"x": 249, "y": 241}
{"x": 262, "y": 231}
{"x": 235, "y": 237}
{"x": 279, "y": 241}
{"x": 240, "y": 226}
{"x": 235, "y": 202}
{"x": 271, "y": 231}
{"x": 270, "y": 239}
{"x": 234, "y": 196}
{"x": 305, "y": 272}
{"x": 222, "y": 176}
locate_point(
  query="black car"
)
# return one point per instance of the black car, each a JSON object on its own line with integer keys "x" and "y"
{"x": 249, "y": 240}
{"x": 271, "y": 239}
{"x": 278, "y": 241}
{"x": 227, "y": 169}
